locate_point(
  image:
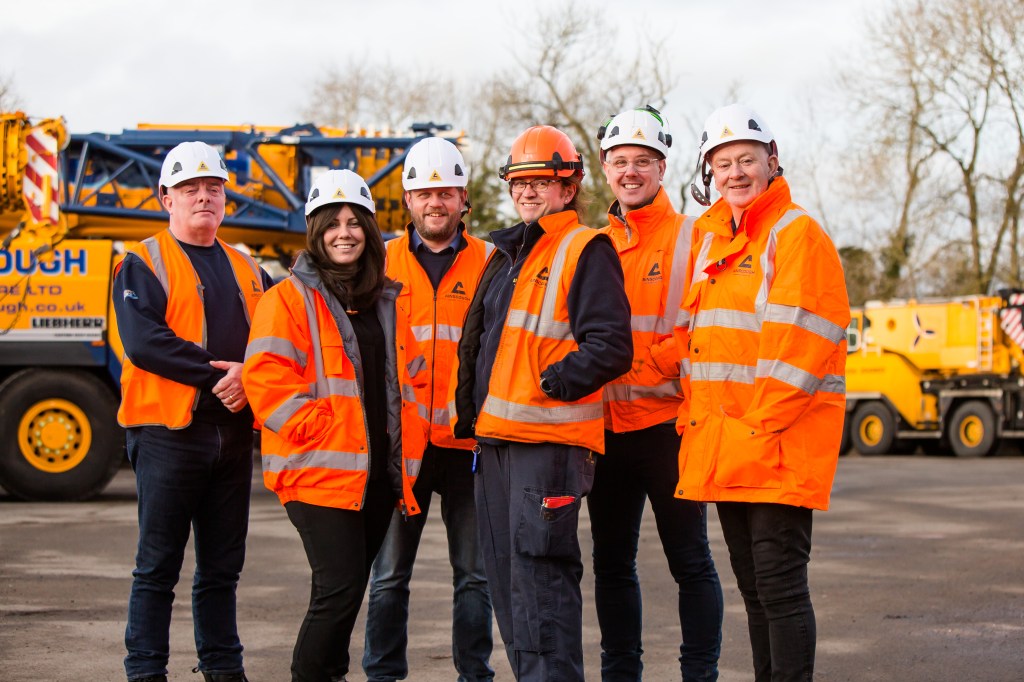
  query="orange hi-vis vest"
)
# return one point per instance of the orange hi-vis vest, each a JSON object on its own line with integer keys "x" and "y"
{"x": 306, "y": 393}
{"x": 149, "y": 399}
{"x": 436, "y": 320}
{"x": 765, "y": 375}
{"x": 654, "y": 245}
{"x": 536, "y": 335}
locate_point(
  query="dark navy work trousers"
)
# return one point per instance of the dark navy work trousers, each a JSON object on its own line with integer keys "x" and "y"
{"x": 195, "y": 479}
{"x": 528, "y": 499}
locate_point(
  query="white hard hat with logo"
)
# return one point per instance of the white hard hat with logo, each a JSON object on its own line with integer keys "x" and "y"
{"x": 732, "y": 123}
{"x": 339, "y": 187}
{"x": 192, "y": 160}
{"x": 644, "y": 127}
{"x": 434, "y": 162}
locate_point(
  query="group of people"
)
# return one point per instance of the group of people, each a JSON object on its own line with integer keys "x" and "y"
{"x": 677, "y": 359}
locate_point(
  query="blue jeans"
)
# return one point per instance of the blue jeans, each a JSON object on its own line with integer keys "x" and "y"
{"x": 449, "y": 473}
{"x": 528, "y": 505}
{"x": 769, "y": 547}
{"x": 196, "y": 478}
{"x": 637, "y": 466}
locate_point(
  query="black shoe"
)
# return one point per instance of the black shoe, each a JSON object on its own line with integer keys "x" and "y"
{"x": 149, "y": 678}
{"x": 221, "y": 677}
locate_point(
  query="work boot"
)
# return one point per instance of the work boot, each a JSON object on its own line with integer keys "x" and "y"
{"x": 149, "y": 678}
{"x": 223, "y": 677}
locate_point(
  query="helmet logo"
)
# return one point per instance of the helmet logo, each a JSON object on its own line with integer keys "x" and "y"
{"x": 434, "y": 177}
{"x": 726, "y": 132}
{"x": 338, "y": 194}
{"x": 202, "y": 167}
{"x": 639, "y": 135}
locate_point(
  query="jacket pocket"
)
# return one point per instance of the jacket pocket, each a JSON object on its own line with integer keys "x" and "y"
{"x": 747, "y": 457}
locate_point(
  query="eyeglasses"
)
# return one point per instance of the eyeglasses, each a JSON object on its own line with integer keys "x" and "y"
{"x": 539, "y": 186}
{"x": 642, "y": 164}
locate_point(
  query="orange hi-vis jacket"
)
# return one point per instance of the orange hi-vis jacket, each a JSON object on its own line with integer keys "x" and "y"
{"x": 765, "y": 375}
{"x": 536, "y": 335}
{"x": 653, "y": 244}
{"x": 149, "y": 399}
{"x": 302, "y": 375}
{"x": 436, "y": 320}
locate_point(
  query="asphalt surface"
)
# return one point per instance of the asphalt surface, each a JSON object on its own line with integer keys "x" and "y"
{"x": 917, "y": 573}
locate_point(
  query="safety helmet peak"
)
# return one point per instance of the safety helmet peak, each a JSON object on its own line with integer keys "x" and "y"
{"x": 644, "y": 127}
{"x": 191, "y": 160}
{"x": 434, "y": 162}
{"x": 731, "y": 123}
{"x": 339, "y": 187}
{"x": 542, "y": 151}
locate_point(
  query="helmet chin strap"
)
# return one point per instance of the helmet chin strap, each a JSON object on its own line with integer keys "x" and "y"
{"x": 702, "y": 198}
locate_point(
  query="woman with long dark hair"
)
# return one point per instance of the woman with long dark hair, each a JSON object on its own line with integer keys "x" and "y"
{"x": 329, "y": 372}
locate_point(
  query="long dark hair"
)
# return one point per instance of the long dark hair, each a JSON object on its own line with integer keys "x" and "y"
{"x": 357, "y": 288}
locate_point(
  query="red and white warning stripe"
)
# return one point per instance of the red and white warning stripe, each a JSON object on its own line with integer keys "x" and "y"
{"x": 41, "y": 177}
{"x": 1010, "y": 318}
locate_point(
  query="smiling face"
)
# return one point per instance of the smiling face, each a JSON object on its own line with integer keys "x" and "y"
{"x": 436, "y": 213}
{"x": 344, "y": 239}
{"x": 197, "y": 209}
{"x": 742, "y": 171}
{"x": 532, "y": 203}
{"x": 634, "y": 173}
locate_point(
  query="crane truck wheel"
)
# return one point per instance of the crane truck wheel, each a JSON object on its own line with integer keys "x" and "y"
{"x": 61, "y": 440}
{"x": 873, "y": 429}
{"x": 972, "y": 430}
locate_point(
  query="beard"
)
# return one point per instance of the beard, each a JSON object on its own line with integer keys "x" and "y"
{"x": 436, "y": 233}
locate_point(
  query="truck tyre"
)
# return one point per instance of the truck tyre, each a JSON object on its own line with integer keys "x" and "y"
{"x": 61, "y": 440}
{"x": 873, "y": 429}
{"x": 972, "y": 430}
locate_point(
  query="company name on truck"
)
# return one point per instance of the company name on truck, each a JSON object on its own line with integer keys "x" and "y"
{"x": 64, "y": 262}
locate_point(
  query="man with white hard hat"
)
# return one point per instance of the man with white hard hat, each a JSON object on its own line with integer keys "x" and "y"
{"x": 641, "y": 444}
{"x": 438, "y": 263}
{"x": 763, "y": 349}
{"x": 183, "y": 300}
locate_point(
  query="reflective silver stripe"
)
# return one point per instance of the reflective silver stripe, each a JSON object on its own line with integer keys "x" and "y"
{"x": 544, "y": 324}
{"x": 320, "y": 459}
{"x": 416, "y": 365}
{"x": 412, "y": 467}
{"x": 729, "y": 319}
{"x": 723, "y": 371}
{"x": 422, "y": 332}
{"x": 408, "y": 393}
{"x": 626, "y": 392}
{"x": 440, "y": 416}
{"x": 767, "y": 260}
{"x": 560, "y": 414}
{"x": 684, "y": 368}
{"x": 816, "y": 324}
{"x": 677, "y": 278}
{"x": 278, "y": 346}
{"x": 152, "y": 247}
{"x": 833, "y": 383}
{"x": 488, "y": 249}
{"x": 701, "y": 263}
{"x": 644, "y": 323}
{"x": 449, "y": 332}
{"x": 788, "y": 374}
{"x": 320, "y": 388}
{"x": 286, "y": 410}
{"x": 683, "y": 317}
{"x": 345, "y": 388}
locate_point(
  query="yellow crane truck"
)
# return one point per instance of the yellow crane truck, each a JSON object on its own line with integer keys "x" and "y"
{"x": 69, "y": 205}
{"x": 942, "y": 374}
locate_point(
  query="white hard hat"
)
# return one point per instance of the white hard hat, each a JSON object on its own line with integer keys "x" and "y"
{"x": 644, "y": 127}
{"x": 732, "y": 123}
{"x": 434, "y": 162}
{"x": 192, "y": 160}
{"x": 339, "y": 187}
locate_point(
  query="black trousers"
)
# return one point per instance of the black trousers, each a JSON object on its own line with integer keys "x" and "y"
{"x": 340, "y": 545}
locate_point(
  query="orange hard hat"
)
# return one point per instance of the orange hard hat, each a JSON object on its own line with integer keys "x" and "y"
{"x": 542, "y": 150}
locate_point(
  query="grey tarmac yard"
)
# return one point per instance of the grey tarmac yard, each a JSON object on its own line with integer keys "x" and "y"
{"x": 917, "y": 573}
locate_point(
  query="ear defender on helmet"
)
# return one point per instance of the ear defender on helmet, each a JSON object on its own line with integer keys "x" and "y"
{"x": 543, "y": 151}
{"x": 644, "y": 127}
{"x": 731, "y": 123}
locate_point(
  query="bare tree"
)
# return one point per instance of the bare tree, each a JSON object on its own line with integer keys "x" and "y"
{"x": 9, "y": 99}
{"x": 941, "y": 91}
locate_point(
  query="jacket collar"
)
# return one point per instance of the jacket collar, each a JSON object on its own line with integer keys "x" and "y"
{"x": 642, "y": 220}
{"x": 771, "y": 202}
